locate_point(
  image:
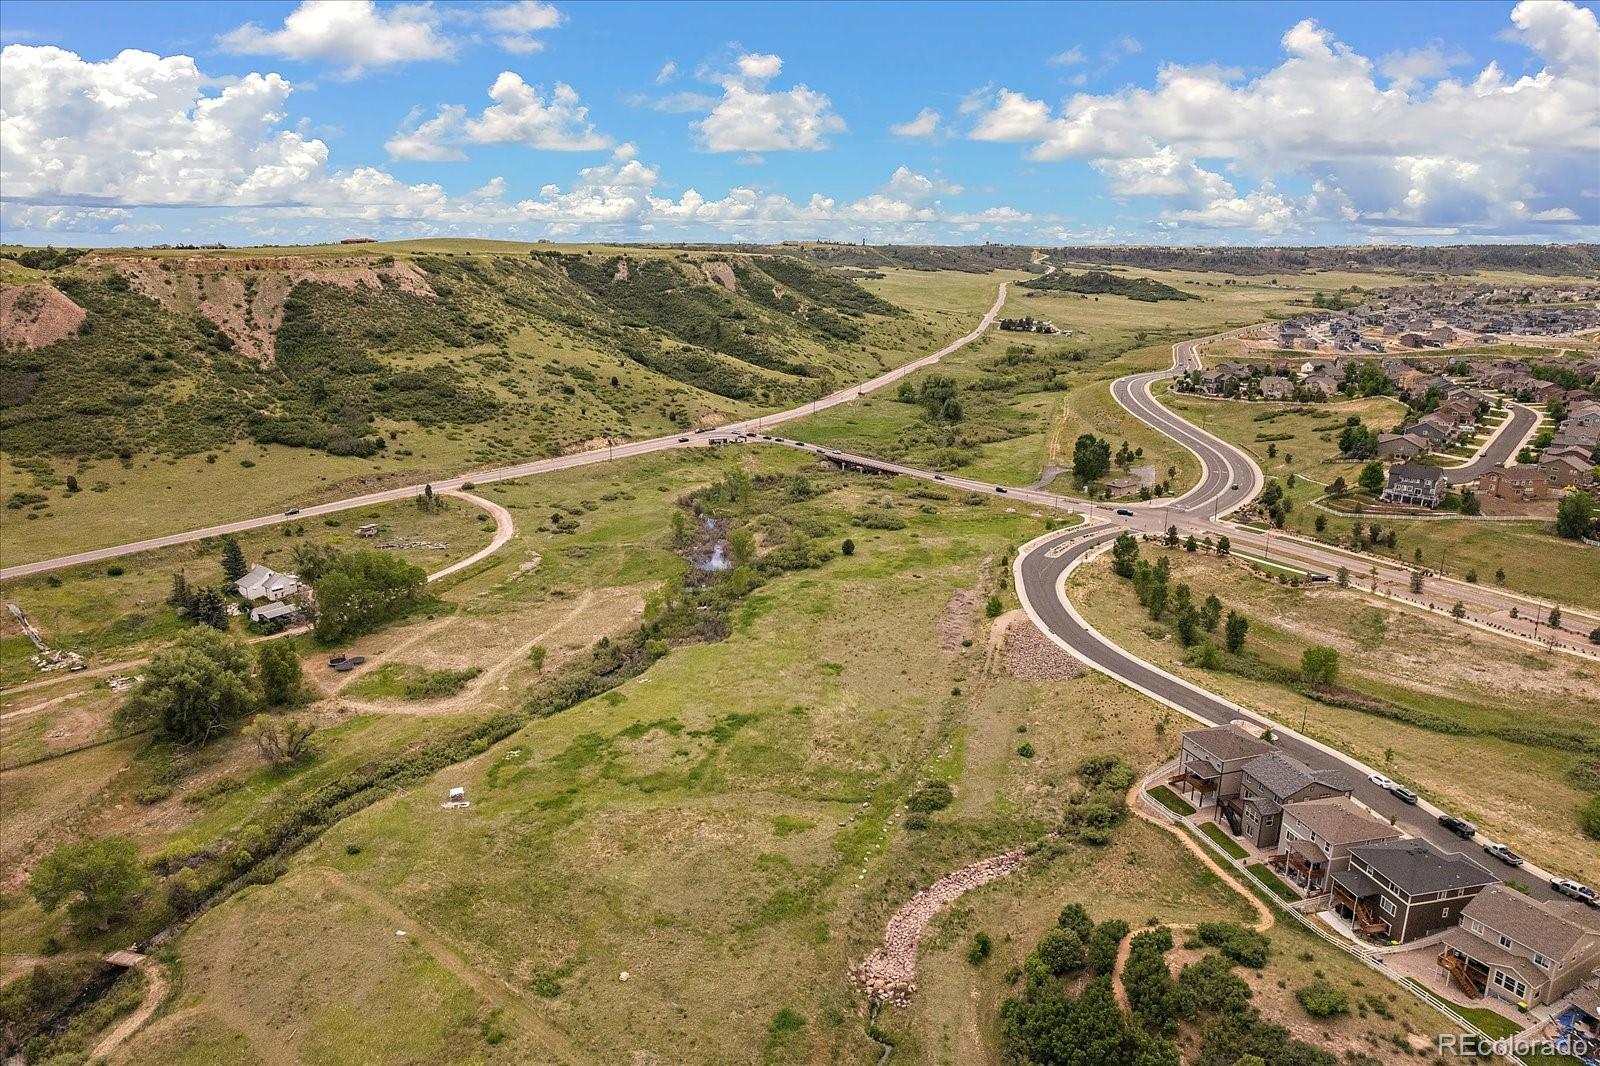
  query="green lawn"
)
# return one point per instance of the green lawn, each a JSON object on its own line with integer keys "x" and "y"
{"x": 1273, "y": 882}
{"x": 1223, "y": 840}
{"x": 1172, "y": 802}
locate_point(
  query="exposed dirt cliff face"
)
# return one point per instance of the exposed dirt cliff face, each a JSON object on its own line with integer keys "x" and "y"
{"x": 32, "y": 316}
{"x": 245, "y": 296}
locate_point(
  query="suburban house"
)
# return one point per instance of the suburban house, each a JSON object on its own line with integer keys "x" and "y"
{"x": 1513, "y": 947}
{"x": 1520, "y": 481}
{"x": 1270, "y": 783}
{"x": 1213, "y": 761}
{"x": 1415, "y": 484}
{"x": 265, "y": 583}
{"x": 1566, "y": 471}
{"x": 1435, "y": 432}
{"x": 1401, "y": 445}
{"x": 1322, "y": 382}
{"x": 1402, "y": 890}
{"x": 1318, "y": 835}
{"x": 1276, "y": 388}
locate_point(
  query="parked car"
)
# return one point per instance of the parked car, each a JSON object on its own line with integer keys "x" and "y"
{"x": 1459, "y": 826}
{"x": 1124, "y": 512}
{"x": 1404, "y": 794}
{"x": 997, "y": 488}
{"x": 1575, "y": 890}
{"x": 1381, "y": 781}
{"x": 292, "y": 510}
{"x": 1504, "y": 854}
{"x": 683, "y": 440}
{"x": 938, "y": 477}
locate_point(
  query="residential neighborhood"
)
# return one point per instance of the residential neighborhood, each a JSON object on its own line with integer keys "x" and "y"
{"x": 1442, "y": 316}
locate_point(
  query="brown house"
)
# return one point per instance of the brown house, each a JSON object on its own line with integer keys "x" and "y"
{"x": 1406, "y": 889}
{"x": 1566, "y": 471}
{"x": 1401, "y": 445}
{"x": 1520, "y": 949}
{"x": 1270, "y": 783}
{"x": 1522, "y": 481}
{"x": 1213, "y": 761}
{"x": 1318, "y": 835}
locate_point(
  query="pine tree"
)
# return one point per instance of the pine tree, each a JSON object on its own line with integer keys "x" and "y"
{"x": 233, "y": 564}
{"x": 182, "y": 596}
{"x": 207, "y": 608}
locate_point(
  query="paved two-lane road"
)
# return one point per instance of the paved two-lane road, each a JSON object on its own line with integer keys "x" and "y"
{"x": 1040, "y": 573}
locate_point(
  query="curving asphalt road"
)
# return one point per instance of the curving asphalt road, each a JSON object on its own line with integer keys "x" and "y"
{"x": 1040, "y": 571}
{"x": 1230, "y": 478}
{"x": 1502, "y": 447}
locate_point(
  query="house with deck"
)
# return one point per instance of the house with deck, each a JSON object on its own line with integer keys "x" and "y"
{"x": 1403, "y": 890}
{"x": 1270, "y": 783}
{"x": 1520, "y": 949}
{"x": 1213, "y": 760}
{"x": 1318, "y": 835}
{"x": 1414, "y": 483}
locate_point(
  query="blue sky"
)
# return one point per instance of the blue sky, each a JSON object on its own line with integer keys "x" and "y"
{"x": 1163, "y": 123}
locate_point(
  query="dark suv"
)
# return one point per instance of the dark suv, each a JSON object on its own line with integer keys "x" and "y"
{"x": 1459, "y": 826}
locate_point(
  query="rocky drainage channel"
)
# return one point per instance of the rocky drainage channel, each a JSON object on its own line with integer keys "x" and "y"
{"x": 889, "y": 974}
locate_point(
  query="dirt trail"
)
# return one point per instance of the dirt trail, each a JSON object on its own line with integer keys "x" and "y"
{"x": 472, "y": 695}
{"x": 1264, "y": 916}
{"x": 889, "y": 974}
{"x": 498, "y": 992}
{"x": 155, "y": 993}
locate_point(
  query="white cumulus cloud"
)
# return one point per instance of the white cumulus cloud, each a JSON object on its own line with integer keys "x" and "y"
{"x": 353, "y": 33}
{"x": 924, "y": 124}
{"x": 1421, "y": 149}
{"x": 750, "y": 117}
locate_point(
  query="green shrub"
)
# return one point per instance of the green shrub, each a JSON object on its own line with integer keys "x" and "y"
{"x": 1239, "y": 944}
{"x": 1321, "y": 1000}
{"x": 932, "y": 796}
{"x": 981, "y": 947}
{"x": 1062, "y": 952}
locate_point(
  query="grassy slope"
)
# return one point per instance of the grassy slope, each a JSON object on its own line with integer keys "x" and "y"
{"x": 549, "y": 374}
{"x": 1470, "y": 678}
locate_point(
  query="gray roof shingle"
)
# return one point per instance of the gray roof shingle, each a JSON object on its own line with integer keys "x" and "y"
{"x": 1227, "y": 742}
{"x": 1284, "y": 776}
{"x": 1417, "y": 867}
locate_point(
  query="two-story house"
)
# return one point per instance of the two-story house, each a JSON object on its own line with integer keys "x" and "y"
{"x": 1402, "y": 890}
{"x": 1415, "y": 483}
{"x": 1513, "y": 947}
{"x": 1267, "y": 785}
{"x": 1213, "y": 761}
{"x": 1318, "y": 835}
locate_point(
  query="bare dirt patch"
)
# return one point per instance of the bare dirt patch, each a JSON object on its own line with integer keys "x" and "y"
{"x": 958, "y": 621}
{"x": 32, "y": 316}
{"x": 1032, "y": 656}
{"x": 245, "y": 297}
{"x": 720, "y": 273}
